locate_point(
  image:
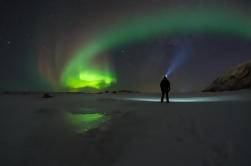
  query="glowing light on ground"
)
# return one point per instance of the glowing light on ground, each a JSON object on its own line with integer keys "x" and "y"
{"x": 187, "y": 99}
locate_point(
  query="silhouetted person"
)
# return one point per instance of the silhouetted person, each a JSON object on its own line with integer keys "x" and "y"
{"x": 165, "y": 88}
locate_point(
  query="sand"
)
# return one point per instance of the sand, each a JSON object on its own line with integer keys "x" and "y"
{"x": 121, "y": 130}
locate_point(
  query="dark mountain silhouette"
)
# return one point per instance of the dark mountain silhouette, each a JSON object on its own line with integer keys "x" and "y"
{"x": 239, "y": 77}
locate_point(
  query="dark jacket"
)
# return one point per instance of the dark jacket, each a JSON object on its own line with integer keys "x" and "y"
{"x": 165, "y": 85}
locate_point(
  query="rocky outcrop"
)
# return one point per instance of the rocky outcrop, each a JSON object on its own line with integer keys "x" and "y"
{"x": 46, "y": 95}
{"x": 239, "y": 77}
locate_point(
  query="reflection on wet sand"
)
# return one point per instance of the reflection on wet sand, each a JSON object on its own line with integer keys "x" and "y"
{"x": 83, "y": 123}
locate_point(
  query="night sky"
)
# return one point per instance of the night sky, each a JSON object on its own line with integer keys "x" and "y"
{"x": 59, "y": 45}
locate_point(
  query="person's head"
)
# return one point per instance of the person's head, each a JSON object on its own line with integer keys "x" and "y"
{"x": 165, "y": 78}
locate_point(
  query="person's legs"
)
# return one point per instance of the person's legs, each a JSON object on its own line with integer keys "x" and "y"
{"x": 162, "y": 96}
{"x": 167, "y": 97}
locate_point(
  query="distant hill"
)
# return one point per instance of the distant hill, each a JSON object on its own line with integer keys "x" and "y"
{"x": 239, "y": 77}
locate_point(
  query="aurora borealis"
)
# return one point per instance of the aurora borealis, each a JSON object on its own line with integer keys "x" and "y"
{"x": 78, "y": 72}
{"x": 74, "y": 51}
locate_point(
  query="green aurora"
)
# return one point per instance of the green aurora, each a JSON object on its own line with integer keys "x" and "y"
{"x": 80, "y": 72}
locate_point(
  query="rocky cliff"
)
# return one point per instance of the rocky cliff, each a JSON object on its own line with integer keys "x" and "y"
{"x": 239, "y": 77}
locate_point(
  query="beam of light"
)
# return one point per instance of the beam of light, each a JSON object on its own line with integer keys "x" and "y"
{"x": 152, "y": 25}
{"x": 82, "y": 123}
{"x": 178, "y": 60}
{"x": 187, "y": 99}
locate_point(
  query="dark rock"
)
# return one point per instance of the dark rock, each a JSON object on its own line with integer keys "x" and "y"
{"x": 46, "y": 95}
{"x": 127, "y": 91}
{"x": 239, "y": 77}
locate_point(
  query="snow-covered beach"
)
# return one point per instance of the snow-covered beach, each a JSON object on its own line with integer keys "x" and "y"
{"x": 203, "y": 129}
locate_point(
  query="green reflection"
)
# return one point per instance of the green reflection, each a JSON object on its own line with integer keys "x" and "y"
{"x": 82, "y": 123}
